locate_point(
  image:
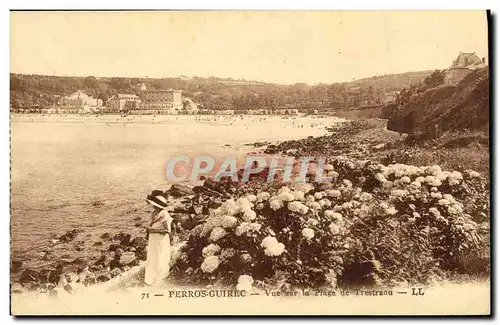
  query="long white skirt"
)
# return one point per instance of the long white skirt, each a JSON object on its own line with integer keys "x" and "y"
{"x": 158, "y": 258}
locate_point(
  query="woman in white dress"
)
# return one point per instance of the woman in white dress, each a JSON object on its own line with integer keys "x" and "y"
{"x": 158, "y": 250}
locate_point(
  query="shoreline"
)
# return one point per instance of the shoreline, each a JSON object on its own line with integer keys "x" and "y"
{"x": 190, "y": 208}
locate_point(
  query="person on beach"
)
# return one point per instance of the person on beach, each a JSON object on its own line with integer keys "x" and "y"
{"x": 158, "y": 249}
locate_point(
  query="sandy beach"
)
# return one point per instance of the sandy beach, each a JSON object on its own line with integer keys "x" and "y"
{"x": 93, "y": 172}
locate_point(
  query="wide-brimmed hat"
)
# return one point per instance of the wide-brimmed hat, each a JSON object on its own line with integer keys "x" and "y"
{"x": 158, "y": 199}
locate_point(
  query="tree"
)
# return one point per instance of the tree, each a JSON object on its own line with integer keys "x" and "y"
{"x": 91, "y": 82}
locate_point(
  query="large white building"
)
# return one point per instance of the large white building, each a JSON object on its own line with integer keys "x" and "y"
{"x": 79, "y": 102}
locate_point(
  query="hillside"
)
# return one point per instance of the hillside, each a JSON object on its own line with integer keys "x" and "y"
{"x": 38, "y": 91}
{"x": 445, "y": 108}
{"x": 393, "y": 81}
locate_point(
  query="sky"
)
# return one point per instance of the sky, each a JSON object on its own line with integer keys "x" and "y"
{"x": 273, "y": 46}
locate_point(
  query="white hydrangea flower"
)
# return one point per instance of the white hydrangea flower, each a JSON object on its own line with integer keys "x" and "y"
{"x": 276, "y": 204}
{"x": 227, "y": 253}
{"x": 304, "y": 187}
{"x": 472, "y": 173}
{"x": 298, "y": 195}
{"x": 303, "y": 209}
{"x": 272, "y": 247}
{"x": 251, "y": 198}
{"x": 457, "y": 175}
{"x": 284, "y": 189}
{"x": 434, "y": 211}
{"x": 399, "y": 193}
{"x": 347, "y": 183}
{"x": 444, "y": 202}
{"x": 210, "y": 264}
{"x": 242, "y": 228}
{"x": 243, "y": 204}
{"x": 249, "y": 215}
{"x": 286, "y": 196}
{"x": 318, "y": 195}
{"x": 314, "y": 205}
{"x": 436, "y": 182}
{"x": 420, "y": 179}
{"x": 245, "y": 283}
{"x": 380, "y": 177}
{"x": 254, "y": 226}
{"x": 405, "y": 180}
{"x": 332, "y": 174}
{"x": 313, "y": 222}
{"x": 310, "y": 198}
{"x": 228, "y": 221}
{"x": 443, "y": 176}
{"x": 387, "y": 185}
{"x": 391, "y": 211}
{"x": 449, "y": 197}
{"x": 333, "y": 193}
{"x": 308, "y": 233}
{"x": 263, "y": 196}
{"x": 384, "y": 205}
{"x": 433, "y": 170}
{"x": 416, "y": 184}
{"x": 334, "y": 228}
{"x": 210, "y": 249}
{"x": 217, "y": 233}
{"x": 365, "y": 197}
{"x": 328, "y": 167}
{"x": 325, "y": 203}
{"x": 294, "y": 206}
{"x": 453, "y": 181}
{"x": 229, "y": 207}
{"x": 436, "y": 195}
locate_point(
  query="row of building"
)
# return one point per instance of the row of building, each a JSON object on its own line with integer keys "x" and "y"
{"x": 148, "y": 102}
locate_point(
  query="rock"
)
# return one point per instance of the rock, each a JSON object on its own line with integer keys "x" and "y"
{"x": 379, "y": 146}
{"x": 98, "y": 243}
{"x": 69, "y": 236}
{"x": 141, "y": 254}
{"x": 103, "y": 277}
{"x": 127, "y": 258}
{"x": 16, "y": 265}
{"x": 115, "y": 272}
{"x": 137, "y": 218}
{"x": 198, "y": 209}
{"x": 113, "y": 247}
{"x": 139, "y": 243}
{"x": 105, "y": 236}
{"x": 28, "y": 276}
{"x": 124, "y": 238}
{"x": 16, "y": 288}
{"x": 138, "y": 224}
{"x": 178, "y": 190}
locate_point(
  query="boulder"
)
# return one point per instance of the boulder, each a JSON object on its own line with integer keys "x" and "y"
{"x": 127, "y": 258}
{"x": 16, "y": 265}
{"x": 29, "y": 275}
{"x": 16, "y": 288}
{"x": 139, "y": 242}
{"x": 105, "y": 236}
{"x": 178, "y": 190}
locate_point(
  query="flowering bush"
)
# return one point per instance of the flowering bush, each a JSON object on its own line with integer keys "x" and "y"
{"x": 373, "y": 224}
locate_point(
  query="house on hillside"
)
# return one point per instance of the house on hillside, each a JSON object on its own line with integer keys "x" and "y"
{"x": 461, "y": 66}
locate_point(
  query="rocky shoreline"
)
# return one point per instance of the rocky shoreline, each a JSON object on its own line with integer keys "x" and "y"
{"x": 121, "y": 251}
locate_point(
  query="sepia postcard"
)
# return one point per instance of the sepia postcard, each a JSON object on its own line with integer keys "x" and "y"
{"x": 250, "y": 163}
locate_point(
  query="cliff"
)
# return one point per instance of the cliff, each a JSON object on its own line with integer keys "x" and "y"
{"x": 429, "y": 113}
